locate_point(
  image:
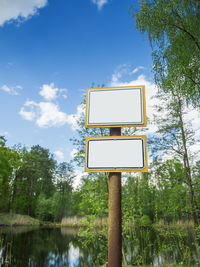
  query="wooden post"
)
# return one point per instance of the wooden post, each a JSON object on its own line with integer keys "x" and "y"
{"x": 114, "y": 220}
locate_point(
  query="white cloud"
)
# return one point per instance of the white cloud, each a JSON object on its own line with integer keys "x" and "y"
{"x": 59, "y": 154}
{"x": 150, "y": 90}
{"x": 73, "y": 152}
{"x": 31, "y": 113}
{"x": 137, "y": 69}
{"x": 48, "y": 91}
{"x": 14, "y": 90}
{"x": 73, "y": 119}
{"x": 27, "y": 115}
{"x": 121, "y": 70}
{"x": 19, "y": 9}
{"x": 45, "y": 114}
{"x": 50, "y": 115}
{"x": 5, "y": 88}
{"x": 78, "y": 177}
{"x": 4, "y": 133}
{"x": 99, "y": 3}
{"x": 191, "y": 115}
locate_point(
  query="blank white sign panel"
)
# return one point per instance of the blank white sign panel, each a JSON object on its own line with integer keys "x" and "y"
{"x": 116, "y": 154}
{"x": 121, "y": 106}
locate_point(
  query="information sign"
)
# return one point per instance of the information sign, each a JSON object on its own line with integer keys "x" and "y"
{"x": 116, "y": 154}
{"x": 116, "y": 107}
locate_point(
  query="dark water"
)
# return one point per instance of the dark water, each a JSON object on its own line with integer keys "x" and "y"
{"x": 55, "y": 247}
{"x": 41, "y": 247}
{"x": 162, "y": 247}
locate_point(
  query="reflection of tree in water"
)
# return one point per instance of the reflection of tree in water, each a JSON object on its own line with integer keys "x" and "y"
{"x": 38, "y": 248}
{"x": 149, "y": 246}
{"x": 46, "y": 247}
{"x": 56, "y": 247}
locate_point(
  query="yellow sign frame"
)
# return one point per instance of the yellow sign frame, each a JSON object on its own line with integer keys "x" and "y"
{"x": 145, "y": 169}
{"x": 116, "y": 125}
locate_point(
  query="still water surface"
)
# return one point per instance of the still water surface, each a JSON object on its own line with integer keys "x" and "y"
{"x": 60, "y": 247}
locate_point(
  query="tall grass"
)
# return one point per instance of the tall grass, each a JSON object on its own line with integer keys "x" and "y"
{"x": 83, "y": 221}
{"x": 16, "y": 219}
{"x": 180, "y": 224}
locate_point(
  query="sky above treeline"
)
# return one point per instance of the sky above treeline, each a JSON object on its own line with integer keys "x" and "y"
{"x": 51, "y": 51}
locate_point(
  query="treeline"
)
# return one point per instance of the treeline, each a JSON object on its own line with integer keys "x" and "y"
{"x": 170, "y": 191}
{"x": 33, "y": 183}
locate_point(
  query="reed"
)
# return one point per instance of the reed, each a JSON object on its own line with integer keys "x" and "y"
{"x": 83, "y": 221}
{"x": 178, "y": 224}
{"x": 16, "y": 219}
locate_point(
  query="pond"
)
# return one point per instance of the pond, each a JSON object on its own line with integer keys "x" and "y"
{"x": 56, "y": 247}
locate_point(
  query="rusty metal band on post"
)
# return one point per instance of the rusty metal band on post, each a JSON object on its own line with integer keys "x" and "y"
{"x": 114, "y": 220}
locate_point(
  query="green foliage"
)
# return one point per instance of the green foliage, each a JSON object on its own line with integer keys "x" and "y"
{"x": 32, "y": 183}
{"x": 175, "y": 137}
{"x": 45, "y": 208}
{"x": 35, "y": 175}
{"x": 63, "y": 195}
{"x": 174, "y": 34}
{"x": 145, "y": 221}
{"x": 198, "y": 232}
{"x": 90, "y": 237}
{"x": 93, "y": 196}
{"x": 9, "y": 163}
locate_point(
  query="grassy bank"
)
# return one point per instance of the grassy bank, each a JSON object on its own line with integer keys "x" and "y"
{"x": 99, "y": 222}
{"x": 83, "y": 221}
{"x": 9, "y": 219}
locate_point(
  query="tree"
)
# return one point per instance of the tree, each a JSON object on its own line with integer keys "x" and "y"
{"x": 5, "y": 176}
{"x": 172, "y": 198}
{"x": 59, "y": 204}
{"x": 10, "y": 161}
{"x": 34, "y": 176}
{"x": 63, "y": 195}
{"x": 174, "y": 34}
{"x": 138, "y": 198}
{"x": 93, "y": 196}
{"x": 176, "y": 137}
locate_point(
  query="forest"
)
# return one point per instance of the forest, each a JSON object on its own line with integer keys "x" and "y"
{"x": 32, "y": 182}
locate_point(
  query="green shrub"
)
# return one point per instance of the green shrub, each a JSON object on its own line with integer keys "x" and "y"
{"x": 145, "y": 221}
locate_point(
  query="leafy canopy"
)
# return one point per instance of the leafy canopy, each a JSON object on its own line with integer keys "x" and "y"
{"x": 173, "y": 29}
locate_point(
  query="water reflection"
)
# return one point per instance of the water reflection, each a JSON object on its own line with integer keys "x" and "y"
{"x": 74, "y": 255}
{"x": 56, "y": 247}
{"x": 36, "y": 247}
{"x": 147, "y": 246}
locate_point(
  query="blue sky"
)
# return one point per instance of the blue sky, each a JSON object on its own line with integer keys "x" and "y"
{"x": 51, "y": 51}
{"x": 63, "y": 46}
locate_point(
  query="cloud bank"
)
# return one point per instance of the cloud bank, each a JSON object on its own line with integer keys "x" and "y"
{"x": 47, "y": 113}
{"x": 19, "y": 9}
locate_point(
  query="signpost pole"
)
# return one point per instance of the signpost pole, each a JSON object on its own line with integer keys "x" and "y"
{"x": 114, "y": 220}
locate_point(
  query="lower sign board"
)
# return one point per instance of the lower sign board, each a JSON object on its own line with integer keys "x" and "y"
{"x": 116, "y": 154}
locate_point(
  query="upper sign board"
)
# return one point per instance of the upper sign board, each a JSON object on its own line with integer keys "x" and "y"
{"x": 116, "y": 154}
{"x": 116, "y": 107}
